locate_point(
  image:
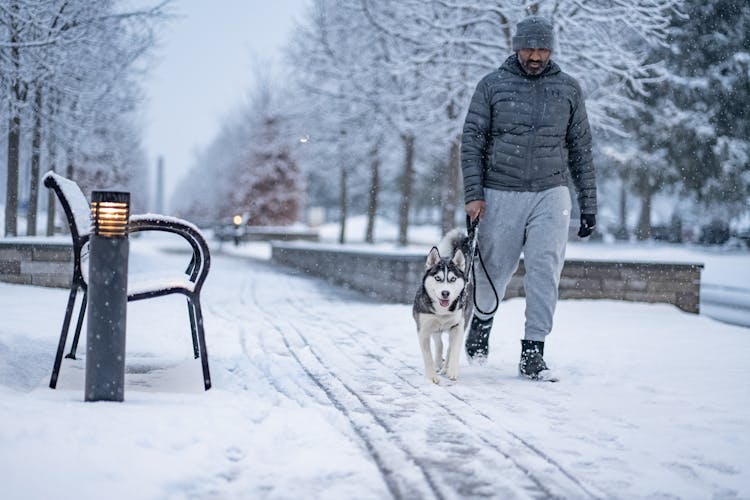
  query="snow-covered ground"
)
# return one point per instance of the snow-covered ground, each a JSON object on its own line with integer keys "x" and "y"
{"x": 318, "y": 393}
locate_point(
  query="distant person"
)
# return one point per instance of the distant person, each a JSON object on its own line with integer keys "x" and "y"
{"x": 526, "y": 133}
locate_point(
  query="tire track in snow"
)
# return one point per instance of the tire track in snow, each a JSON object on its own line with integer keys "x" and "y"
{"x": 392, "y": 461}
{"x": 382, "y": 440}
{"x": 463, "y": 480}
{"x": 531, "y": 458}
{"x": 443, "y": 475}
{"x": 400, "y": 473}
{"x": 228, "y": 313}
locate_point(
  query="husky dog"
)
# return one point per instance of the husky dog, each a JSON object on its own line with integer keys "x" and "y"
{"x": 442, "y": 305}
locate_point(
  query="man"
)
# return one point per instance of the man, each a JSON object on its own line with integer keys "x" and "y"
{"x": 526, "y": 133}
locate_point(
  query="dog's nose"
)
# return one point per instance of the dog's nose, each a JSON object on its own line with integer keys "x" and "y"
{"x": 445, "y": 294}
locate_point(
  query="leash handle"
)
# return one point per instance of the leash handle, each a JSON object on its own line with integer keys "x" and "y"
{"x": 471, "y": 231}
{"x": 471, "y": 227}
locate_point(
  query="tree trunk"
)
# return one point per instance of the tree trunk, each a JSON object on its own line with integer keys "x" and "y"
{"x": 621, "y": 233}
{"x": 11, "y": 193}
{"x": 36, "y": 153}
{"x": 643, "y": 232}
{"x": 344, "y": 205}
{"x": 449, "y": 202}
{"x": 14, "y": 136}
{"x": 403, "y": 213}
{"x": 372, "y": 202}
{"x": 51, "y": 198}
{"x": 623, "y": 207}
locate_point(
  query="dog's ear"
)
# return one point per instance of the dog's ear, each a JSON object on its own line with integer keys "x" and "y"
{"x": 459, "y": 259}
{"x": 432, "y": 258}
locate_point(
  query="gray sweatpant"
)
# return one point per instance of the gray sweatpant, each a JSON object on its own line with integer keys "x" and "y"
{"x": 535, "y": 223}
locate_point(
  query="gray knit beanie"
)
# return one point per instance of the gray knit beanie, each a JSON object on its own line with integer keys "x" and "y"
{"x": 534, "y": 32}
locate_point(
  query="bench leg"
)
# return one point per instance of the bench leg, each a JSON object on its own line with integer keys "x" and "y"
{"x": 79, "y": 324}
{"x": 193, "y": 328}
{"x": 202, "y": 340}
{"x": 63, "y": 336}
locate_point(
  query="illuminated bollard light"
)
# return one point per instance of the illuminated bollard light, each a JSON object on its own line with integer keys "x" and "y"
{"x": 108, "y": 296}
{"x": 237, "y": 221}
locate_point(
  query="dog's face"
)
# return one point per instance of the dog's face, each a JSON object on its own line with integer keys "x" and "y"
{"x": 444, "y": 279}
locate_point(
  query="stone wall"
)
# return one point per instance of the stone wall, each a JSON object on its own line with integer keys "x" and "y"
{"x": 36, "y": 263}
{"x": 395, "y": 277}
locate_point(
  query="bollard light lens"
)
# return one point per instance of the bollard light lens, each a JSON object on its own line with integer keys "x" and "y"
{"x": 110, "y": 211}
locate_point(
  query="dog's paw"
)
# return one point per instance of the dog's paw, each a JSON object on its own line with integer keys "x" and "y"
{"x": 450, "y": 370}
{"x": 434, "y": 378}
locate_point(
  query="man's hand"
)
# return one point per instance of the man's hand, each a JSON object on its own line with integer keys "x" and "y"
{"x": 588, "y": 221}
{"x": 475, "y": 209}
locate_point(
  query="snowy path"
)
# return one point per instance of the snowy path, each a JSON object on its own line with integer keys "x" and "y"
{"x": 490, "y": 434}
{"x": 427, "y": 442}
{"x": 318, "y": 393}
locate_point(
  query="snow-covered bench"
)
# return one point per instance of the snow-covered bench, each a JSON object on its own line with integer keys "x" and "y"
{"x": 78, "y": 214}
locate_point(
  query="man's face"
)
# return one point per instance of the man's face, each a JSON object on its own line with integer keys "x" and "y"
{"x": 533, "y": 61}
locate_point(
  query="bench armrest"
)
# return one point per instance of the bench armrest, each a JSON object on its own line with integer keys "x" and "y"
{"x": 201, "y": 259}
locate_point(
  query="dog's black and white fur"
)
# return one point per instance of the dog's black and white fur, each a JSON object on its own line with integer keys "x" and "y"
{"x": 443, "y": 305}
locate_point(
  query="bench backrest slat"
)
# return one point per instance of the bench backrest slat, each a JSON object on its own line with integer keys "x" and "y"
{"x": 77, "y": 210}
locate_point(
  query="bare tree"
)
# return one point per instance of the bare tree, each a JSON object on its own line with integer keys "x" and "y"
{"x": 250, "y": 167}
{"x": 68, "y": 65}
{"x": 337, "y": 78}
{"x": 387, "y": 81}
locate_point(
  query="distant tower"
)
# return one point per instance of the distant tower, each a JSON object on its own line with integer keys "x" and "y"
{"x": 159, "y": 208}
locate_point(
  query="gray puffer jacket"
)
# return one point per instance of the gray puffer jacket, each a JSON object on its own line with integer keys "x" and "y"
{"x": 528, "y": 133}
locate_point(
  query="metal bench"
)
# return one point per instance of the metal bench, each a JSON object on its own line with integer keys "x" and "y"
{"x": 78, "y": 214}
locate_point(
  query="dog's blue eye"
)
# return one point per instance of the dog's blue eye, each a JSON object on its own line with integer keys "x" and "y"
{"x": 452, "y": 279}
{"x": 438, "y": 277}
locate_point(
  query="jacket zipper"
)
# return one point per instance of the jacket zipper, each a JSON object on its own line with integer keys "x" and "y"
{"x": 535, "y": 103}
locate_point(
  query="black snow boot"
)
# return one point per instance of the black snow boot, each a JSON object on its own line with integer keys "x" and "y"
{"x": 478, "y": 340}
{"x": 532, "y": 359}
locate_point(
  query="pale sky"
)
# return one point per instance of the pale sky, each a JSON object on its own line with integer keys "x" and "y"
{"x": 204, "y": 69}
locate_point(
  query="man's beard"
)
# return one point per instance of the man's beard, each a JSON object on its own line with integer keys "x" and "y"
{"x": 534, "y": 70}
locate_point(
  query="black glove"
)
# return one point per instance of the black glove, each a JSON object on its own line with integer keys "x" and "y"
{"x": 588, "y": 221}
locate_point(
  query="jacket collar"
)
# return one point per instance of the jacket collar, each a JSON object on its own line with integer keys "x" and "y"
{"x": 512, "y": 65}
